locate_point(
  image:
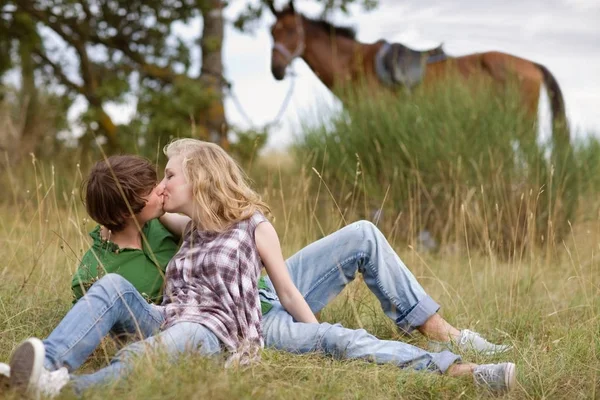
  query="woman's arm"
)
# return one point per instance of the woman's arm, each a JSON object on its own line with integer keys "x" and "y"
{"x": 290, "y": 297}
{"x": 175, "y": 223}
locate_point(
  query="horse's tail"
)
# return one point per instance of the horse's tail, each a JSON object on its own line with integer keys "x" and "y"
{"x": 557, "y": 102}
{"x": 567, "y": 189}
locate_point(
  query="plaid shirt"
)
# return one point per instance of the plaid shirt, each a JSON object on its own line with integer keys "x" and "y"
{"x": 212, "y": 280}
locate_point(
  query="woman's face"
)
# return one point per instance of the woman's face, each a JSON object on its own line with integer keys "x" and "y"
{"x": 176, "y": 190}
{"x": 153, "y": 208}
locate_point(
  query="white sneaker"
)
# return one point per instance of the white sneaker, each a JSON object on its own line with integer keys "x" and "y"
{"x": 497, "y": 378}
{"x": 27, "y": 372}
{"x": 26, "y": 364}
{"x": 470, "y": 341}
{"x": 52, "y": 382}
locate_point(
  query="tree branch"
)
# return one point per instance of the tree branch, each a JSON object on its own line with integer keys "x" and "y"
{"x": 149, "y": 70}
{"x": 120, "y": 42}
{"x": 58, "y": 72}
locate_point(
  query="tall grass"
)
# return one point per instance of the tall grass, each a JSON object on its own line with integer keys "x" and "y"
{"x": 460, "y": 162}
{"x": 546, "y": 308}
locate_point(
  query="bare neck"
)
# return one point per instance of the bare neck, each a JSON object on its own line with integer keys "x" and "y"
{"x": 128, "y": 238}
{"x": 334, "y": 59}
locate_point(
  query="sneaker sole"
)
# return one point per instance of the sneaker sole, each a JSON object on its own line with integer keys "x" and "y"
{"x": 4, "y": 378}
{"x": 433, "y": 347}
{"x": 510, "y": 376}
{"x": 26, "y": 365}
{"x": 4, "y": 384}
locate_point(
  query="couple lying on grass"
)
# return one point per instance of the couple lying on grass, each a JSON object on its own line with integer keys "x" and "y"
{"x": 214, "y": 298}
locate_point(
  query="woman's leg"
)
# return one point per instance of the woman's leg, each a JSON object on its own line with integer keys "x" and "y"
{"x": 282, "y": 332}
{"x": 112, "y": 302}
{"x": 322, "y": 269}
{"x": 184, "y": 337}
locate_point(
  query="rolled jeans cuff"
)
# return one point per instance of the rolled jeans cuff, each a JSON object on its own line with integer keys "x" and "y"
{"x": 444, "y": 360}
{"x": 421, "y": 312}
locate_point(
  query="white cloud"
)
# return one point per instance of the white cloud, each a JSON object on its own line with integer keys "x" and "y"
{"x": 584, "y": 5}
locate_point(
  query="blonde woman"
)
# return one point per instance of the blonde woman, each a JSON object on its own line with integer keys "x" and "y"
{"x": 210, "y": 302}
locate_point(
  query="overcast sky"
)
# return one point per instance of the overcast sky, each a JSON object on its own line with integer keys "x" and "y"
{"x": 563, "y": 35}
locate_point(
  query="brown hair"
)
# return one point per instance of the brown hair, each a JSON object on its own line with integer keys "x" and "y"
{"x": 115, "y": 189}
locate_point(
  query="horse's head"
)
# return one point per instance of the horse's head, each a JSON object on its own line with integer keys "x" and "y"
{"x": 288, "y": 40}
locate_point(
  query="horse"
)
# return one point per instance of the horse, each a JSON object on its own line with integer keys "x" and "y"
{"x": 337, "y": 58}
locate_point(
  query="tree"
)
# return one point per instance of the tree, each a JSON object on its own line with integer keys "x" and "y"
{"x": 30, "y": 114}
{"x": 110, "y": 51}
{"x": 176, "y": 101}
{"x": 110, "y": 40}
{"x": 255, "y": 11}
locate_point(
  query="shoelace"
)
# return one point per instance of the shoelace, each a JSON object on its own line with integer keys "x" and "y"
{"x": 464, "y": 339}
{"x": 51, "y": 382}
{"x": 486, "y": 375}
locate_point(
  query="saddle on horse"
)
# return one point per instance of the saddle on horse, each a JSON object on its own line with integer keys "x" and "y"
{"x": 398, "y": 65}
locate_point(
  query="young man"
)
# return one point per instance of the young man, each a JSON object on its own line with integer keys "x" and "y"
{"x": 124, "y": 186}
{"x": 126, "y": 243}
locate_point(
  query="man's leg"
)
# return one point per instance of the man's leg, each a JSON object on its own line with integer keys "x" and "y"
{"x": 184, "y": 337}
{"x": 112, "y": 302}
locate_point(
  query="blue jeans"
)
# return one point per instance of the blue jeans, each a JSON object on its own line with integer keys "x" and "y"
{"x": 322, "y": 269}
{"x": 181, "y": 338}
{"x": 114, "y": 305}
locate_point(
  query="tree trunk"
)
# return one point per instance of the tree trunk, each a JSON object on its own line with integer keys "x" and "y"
{"x": 30, "y": 131}
{"x": 28, "y": 101}
{"x": 212, "y": 124}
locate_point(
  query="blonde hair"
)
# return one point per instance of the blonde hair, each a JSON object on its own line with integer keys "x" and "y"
{"x": 219, "y": 185}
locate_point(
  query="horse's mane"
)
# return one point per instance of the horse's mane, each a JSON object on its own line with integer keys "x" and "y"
{"x": 344, "y": 31}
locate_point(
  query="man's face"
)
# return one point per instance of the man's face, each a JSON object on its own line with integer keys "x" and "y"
{"x": 154, "y": 206}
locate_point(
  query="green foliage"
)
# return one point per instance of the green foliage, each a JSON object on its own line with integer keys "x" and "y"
{"x": 245, "y": 20}
{"x": 167, "y": 111}
{"x": 7, "y": 34}
{"x": 459, "y": 161}
{"x": 344, "y": 4}
{"x": 247, "y": 145}
{"x": 587, "y": 154}
{"x": 110, "y": 44}
{"x": 48, "y": 122}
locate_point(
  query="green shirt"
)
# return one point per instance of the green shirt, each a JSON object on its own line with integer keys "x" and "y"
{"x": 145, "y": 269}
{"x": 265, "y": 306}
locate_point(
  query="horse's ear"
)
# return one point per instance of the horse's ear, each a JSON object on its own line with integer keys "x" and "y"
{"x": 271, "y": 6}
{"x": 291, "y": 6}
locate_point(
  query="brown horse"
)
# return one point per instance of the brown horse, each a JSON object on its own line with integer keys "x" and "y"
{"x": 337, "y": 58}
